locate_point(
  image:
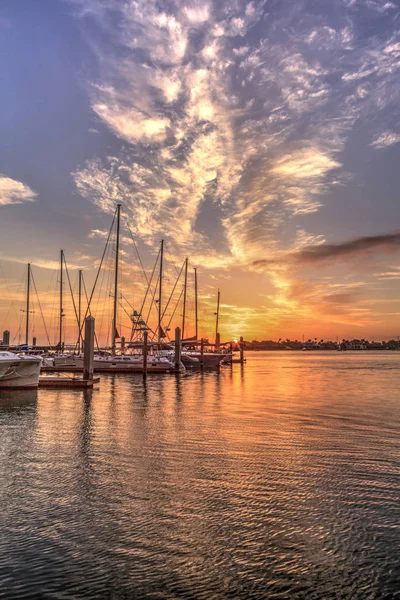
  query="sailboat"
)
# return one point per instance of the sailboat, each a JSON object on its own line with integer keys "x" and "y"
{"x": 115, "y": 361}
{"x": 193, "y": 358}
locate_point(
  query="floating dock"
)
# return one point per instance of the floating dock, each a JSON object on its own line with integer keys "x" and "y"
{"x": 67, "y": 382}
{"x": 118, "y": 369}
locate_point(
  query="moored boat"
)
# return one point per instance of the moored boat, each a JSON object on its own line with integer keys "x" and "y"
{"x": 107, "y": 362}
{"x": 19, "y": 371}
{"x": 128, "y": 362}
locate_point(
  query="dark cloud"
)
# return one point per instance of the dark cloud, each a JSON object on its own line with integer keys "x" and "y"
{"x": 326, "y": 252}
{"x": 356, "y": 246}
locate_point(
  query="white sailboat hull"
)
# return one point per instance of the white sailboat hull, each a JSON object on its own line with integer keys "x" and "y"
{"x": 19, "y": 372}
{"x": 132, "y": 364}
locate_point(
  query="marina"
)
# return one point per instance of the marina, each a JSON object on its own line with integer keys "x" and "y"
{"x": 199, "y": 300}
{"x": 264, "y": 481}
{"x": 149, "y": 350}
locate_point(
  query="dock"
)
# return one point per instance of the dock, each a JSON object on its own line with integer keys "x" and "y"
{"x": 67, "y": 382}
{"x": 106, "y": 369}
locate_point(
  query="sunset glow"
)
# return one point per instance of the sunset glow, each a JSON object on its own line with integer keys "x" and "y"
{"x": 260, "y": 139}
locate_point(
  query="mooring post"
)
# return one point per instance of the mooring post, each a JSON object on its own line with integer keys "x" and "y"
{"x": 88, "y": 352}
{"x": 217, "y": 342}
{"x": 145, "y": 351}
{"x": 177, "y": 348}
{"x": 202, "y": 353}
{"x": 241, "y": 350}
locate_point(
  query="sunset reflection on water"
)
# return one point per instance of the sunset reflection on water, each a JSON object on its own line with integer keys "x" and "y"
{"x": 271, "y": 479}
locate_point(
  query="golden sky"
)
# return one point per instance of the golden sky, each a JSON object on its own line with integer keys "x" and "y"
{"x": 259, "y": 138}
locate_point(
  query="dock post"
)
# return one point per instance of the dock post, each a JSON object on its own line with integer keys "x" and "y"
{"x": 241, "y": 350}
{"x": 145, "y": 351}
{"x": 88, "y": 352}
{"x": 34, "y": 342}
{"x": 217, "y": 342}
{"x": 177, "y": 348}
{"x": 202, "y": 353}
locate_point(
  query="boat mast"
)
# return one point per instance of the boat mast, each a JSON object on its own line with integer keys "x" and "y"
{"x": 184, "y": 299}
{"x": 61, "y": 296}
{"x": 114, "y": 323}
{"x": 217, "y": 313}
{"x": 28, "y": 289}
{"x": 160, "y": 290}
{"x": 195, "y": 304}
{"x": 79, "y": 309}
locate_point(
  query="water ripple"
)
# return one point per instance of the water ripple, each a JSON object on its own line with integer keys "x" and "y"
{"x": 279, "y": 480}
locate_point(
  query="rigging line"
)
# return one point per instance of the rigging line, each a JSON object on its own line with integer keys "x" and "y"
{"x": 99, "y": 269}
{"x": 151, "y": 304}
{"x": 106, "y": 274}
{"x": 70, "y": 289}
{"x": 72, "y": 296}
{"x": 147, "y": 291}
{"x": 86, "y": 296}
{"x": 176, "y": 306}
{"x": 40, "y": 308}
{"x": 155, "y": 289}
{"x": 45, "y": 299}
{"x": 127, "y": 301}
{"x": 137, "y": 251}
{"x": 173, "y": 289}
{"x": 124, "y": 326}
{"x": 170, "y": 257}
{"x": 125, "y": 311}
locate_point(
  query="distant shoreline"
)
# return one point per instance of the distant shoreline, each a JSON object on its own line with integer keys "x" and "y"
{"x": 320, "y": 350}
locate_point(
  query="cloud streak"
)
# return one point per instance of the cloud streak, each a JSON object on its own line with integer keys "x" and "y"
{"x": 330, "y": 252}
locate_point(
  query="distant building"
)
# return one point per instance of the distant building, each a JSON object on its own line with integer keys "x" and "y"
{"x": 357, "y": 345}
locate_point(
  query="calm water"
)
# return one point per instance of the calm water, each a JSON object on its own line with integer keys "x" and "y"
{"x": 279, "y": 480}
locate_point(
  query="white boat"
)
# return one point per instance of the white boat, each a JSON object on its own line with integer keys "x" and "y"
{"x": 126, "y": 362}
{"x": 190, "y": 358}
{"x": 19, "y": 371}
{"x": 60, "y": 360}
{"x": 211, "y": 360}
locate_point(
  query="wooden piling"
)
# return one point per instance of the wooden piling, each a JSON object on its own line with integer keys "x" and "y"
{"x": 202, "y": 353}
{"x": 241, "y": 350}
{"x": 217, "y": 342}
{"x": 88, "y": 353}
{"x": 145, "y": 352}
{"x": 177, "y": 348}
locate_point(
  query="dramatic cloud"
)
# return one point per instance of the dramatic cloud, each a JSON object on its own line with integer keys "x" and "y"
{"x": 326, "y": 252}
{"x": 215, "y": 101}
{"x": 14, "y": 192}
{"x": 360, "y": 245}
{"x": 232, "y": 121}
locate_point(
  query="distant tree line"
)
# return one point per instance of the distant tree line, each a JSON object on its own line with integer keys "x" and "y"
{"x": 316, "y": 344}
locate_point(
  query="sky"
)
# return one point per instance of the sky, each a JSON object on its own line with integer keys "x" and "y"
{"x": 260, "y": 139}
